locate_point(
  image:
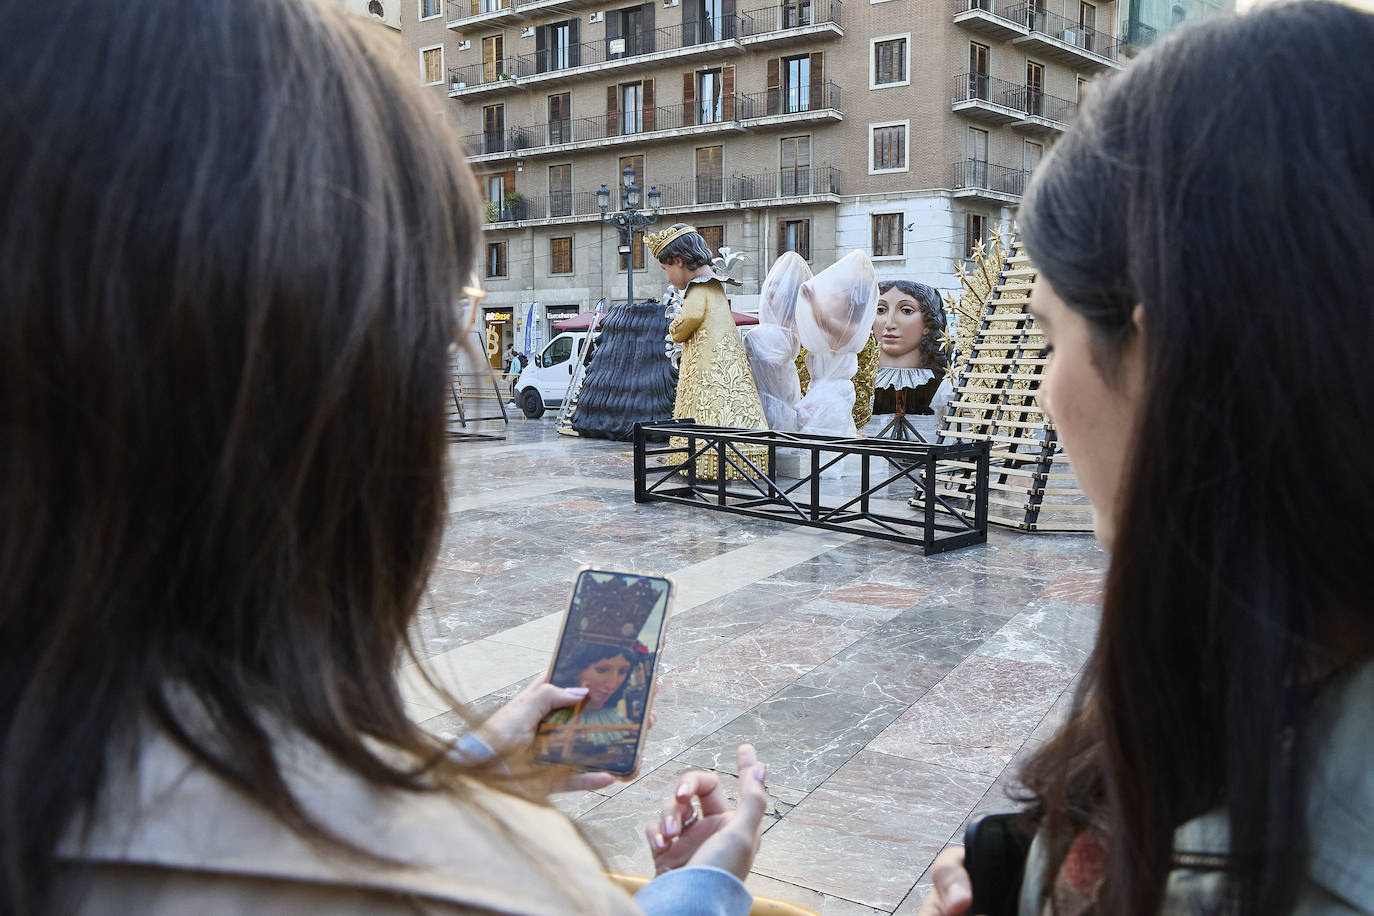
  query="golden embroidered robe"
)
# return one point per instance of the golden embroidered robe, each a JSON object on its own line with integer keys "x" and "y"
{"x": 714, "y": 384}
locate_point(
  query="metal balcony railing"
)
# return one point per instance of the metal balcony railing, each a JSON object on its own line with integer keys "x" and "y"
{"x": 770, "y": 19}
{"x": 979, "y": 174}
{"x": 810, "y": 97}
{"x": 785, "y": 182}
{"x": 979, "y": 86}
{"x": 789, "y": 15}
{"x": 462, "y": 9}
{"x": 1038, "y": 19}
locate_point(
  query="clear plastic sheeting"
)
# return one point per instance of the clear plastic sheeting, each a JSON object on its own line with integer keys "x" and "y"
{"x": 835, "y": 314}
{"x": 774, "y": 344}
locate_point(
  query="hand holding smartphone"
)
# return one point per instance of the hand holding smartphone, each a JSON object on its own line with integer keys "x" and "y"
{"x": 610, "y": 643}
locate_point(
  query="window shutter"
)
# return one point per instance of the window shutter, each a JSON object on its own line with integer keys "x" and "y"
{"x": 782, "y": 237}
{"x": 612, "y": 111}
{"x": 727, "y": 12}
{"x": 804, "y": 239}
{"x": 817, "y": 80}
{"x": 648, "y": 97}
{"x": 475, "y": 7}
{"x": 689, "y": 23}
{"x": 774, "y": 85}
{"x": 612, "y": 33}
{"x": 727, "y": 91}
{"x": 689, "y": 98}
{"x": 541, "y": 49}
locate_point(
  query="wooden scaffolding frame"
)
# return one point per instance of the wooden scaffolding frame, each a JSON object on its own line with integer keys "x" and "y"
{"x": 1031, "y": 482}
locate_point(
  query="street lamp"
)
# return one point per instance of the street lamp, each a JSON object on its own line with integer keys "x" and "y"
{"x": 629, "y": 220}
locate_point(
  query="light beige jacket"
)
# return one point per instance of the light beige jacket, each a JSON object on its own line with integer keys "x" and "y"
{"x": 171, "y": 837}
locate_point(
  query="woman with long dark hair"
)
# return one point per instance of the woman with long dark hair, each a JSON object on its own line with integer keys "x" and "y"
{"x": 1202, "y": 240}
{"x": 231, "y": 245}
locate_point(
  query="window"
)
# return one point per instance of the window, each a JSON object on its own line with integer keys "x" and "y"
{"x": 795, "y": 159}
{"x": 493, "y": 58}
{"x": 889, "y": 57}
{"x": 708, "y": 97}
{"x": 887, "y": 235}
{"x": 559, "y": 351}
{"x": 973, "y": 232}
{"x": 496, "y": 259}
{"x": 1082, "y": 87}
{"x": 710, "y": 21}
{"x": 1087, "y": 25}
{"x": 795, "y": 235}
{"x": 796, "y": 86}
{"x": 496, "y": 190}
{"x": 887, "y": 152}
{"x": 1030, "y": 155}
{"x": 494, "y": 129}
{"x": 631, "y": 108}
{"x": 977, "y": 70}
{"x": 560, "y": 255}
{"x": 1035, "y": 88}
{"x": 795, "y": 13}
{"x": 560, "y": 190}
{"x": 560, "y": 118}
{"x": 976, "y": 174}
{"x": 713, "y": 236}
{"x": 432, "y": 65}
{"x": 555, "y": 46}
{"x": 710, "y": 175}
{"x": 637, "y": 249}
{"x": 429, "y": 9}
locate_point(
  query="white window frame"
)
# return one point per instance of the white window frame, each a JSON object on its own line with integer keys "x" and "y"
{"x": 906, "y": 126}
{"x": 873, "y": 61}
{"x": 420, "y": 11}
{"x": 443, "y": 71}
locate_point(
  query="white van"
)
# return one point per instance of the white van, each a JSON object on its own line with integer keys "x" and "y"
{"x": 544, "y": 382}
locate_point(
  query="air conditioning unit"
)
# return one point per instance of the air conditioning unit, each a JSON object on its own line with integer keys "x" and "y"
{"x": 527, "y": 32}
{"x": 1069, "y": 35}
{"x": 668, "y": 4}
{"x": 595, "y": 17}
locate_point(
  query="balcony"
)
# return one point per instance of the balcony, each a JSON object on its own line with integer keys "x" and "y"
{"x": 1065, "y": 40}
{"x": 713, "y": 40}
{"x": 781, "y": 188}
{"x": 988, "y": 19}
{"x": 460, "y": 13}
{"x": 976, "y": 179}
{"x": 985, "y": 99}
{"x": 775, "y": 107}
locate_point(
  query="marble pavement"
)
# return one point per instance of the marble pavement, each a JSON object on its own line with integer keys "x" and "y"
{"x": 891, "y": 694}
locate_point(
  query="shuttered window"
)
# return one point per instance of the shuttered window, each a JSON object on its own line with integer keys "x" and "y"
{"x": 714, "y": 236}
{"x": 496, "y": 259}
{"x": 637, "y": 249}
{"x": 560, "y": 190}
{"x": 710, "y": 175}
{"x": 795, "y": 235}
{"x": 887, "y": 235}
{"x": 432, "y": 60}
{"x": 889, "y": 147}
{"x": 889, "y": 61}
{"x": 560, "y": 255}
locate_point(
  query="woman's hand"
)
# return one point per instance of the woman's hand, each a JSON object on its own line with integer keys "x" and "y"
{"x": 716, "y": 836}
{"x": 952, "y": 893}
{"x": 510, "y": 731}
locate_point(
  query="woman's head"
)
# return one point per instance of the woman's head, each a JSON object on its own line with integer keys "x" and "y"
{"x": 229, "y": 301}
{"x": 602, "y": 669}
{"x": 909, "y": 325}
{"x": 1205, "y": 311}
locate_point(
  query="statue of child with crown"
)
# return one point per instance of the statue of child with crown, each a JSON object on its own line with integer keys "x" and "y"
{"x": 714, "y": 384}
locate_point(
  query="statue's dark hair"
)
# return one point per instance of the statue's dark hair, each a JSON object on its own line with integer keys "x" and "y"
{"x": 691, "y": 247}
{"x": 932, "y": 314}
{"x": 1227, "y": 193}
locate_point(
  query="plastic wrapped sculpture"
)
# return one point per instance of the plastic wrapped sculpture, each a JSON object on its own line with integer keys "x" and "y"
{"x": 714, "y": 384}
{"x": 773, "y": 345}
{"x": 835, "y": 312}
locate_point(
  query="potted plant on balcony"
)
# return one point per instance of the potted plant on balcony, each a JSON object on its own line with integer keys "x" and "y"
{"x": 515, "y": 206}
{"x": 493, "y": 212}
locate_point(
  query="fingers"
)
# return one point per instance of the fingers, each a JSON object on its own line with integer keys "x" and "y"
{"x": 705, "y": 786}
{"x": 583, "y": 782}
{"x": 953, "y": 891}
{"x": 546, "y": 697}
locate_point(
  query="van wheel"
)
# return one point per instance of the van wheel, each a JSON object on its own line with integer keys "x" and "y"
{"x": 531, "y": 404}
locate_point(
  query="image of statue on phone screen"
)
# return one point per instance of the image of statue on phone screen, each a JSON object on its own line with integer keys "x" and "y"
{"x": 610, "y": 646}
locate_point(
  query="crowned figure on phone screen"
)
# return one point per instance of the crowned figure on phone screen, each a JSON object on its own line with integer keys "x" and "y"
{"x": 714, "y": 385}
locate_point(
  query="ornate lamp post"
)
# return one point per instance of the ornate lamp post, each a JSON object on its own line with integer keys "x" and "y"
{"x": 629, "y": 220}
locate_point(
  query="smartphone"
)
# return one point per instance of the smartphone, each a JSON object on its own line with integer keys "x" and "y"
{"x": 610, "y": 643}
{"x": 995, "y": 849}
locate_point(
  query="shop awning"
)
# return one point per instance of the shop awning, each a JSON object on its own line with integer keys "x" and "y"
{"x": 584, "y": 321}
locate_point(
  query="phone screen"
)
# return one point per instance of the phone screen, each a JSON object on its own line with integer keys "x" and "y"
{"x": 610, "y": 644}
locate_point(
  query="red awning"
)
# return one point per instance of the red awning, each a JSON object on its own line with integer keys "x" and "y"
{"x": 584, "y": 321}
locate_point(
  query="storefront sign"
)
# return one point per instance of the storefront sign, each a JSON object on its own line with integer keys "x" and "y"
{"x": 498, "y": 317}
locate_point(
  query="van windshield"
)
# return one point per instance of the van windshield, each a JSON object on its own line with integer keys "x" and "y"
{"x": 560, "y": 350}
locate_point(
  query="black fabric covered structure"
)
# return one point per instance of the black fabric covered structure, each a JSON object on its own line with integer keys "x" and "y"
{"x": 630, "y": 379}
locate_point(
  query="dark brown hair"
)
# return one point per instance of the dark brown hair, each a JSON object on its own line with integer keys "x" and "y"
{"x": 231, "y": 245}
{"x": 933, "y": 316}
{"x": 1216, "y": 187}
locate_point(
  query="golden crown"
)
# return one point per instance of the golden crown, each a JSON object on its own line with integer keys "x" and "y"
{"x": 613, "y": 611}
{"x": 657, "y": 241}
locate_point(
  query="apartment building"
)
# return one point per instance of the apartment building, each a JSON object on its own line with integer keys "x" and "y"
{"x": 905, "y": 128}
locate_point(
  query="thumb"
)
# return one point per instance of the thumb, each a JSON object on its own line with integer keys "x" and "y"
{"x": 753, "y": 799}
{"x": 546, "y": 697}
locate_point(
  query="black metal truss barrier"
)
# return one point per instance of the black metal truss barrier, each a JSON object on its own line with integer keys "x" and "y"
{"x": 944, "y": 519}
